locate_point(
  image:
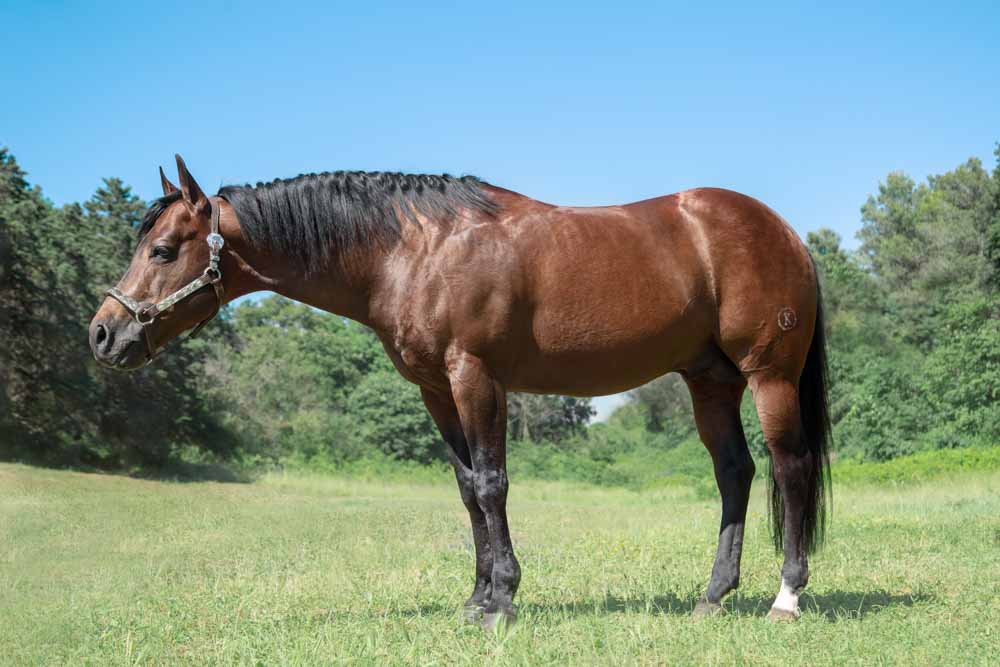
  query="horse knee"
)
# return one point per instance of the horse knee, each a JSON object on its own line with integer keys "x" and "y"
{"x": 467, "y": 489}
{"x": 491, "y": 488}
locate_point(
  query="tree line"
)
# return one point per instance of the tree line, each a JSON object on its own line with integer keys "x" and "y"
{"x": 913, "y": 318}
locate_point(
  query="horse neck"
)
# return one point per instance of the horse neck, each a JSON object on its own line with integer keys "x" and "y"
{"x": 343, "y": 287}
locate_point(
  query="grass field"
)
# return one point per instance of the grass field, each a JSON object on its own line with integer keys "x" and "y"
{"x": 308, "y": 570}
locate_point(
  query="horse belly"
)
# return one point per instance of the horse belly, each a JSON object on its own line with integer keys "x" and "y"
{"x": 601, "y": 372}
{"x": 603, "y": 336}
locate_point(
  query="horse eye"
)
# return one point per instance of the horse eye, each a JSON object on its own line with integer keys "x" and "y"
{"x": 162, "y": 251}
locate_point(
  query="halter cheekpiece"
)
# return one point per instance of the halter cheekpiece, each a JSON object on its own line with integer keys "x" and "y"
{"x": 146, "y": 315}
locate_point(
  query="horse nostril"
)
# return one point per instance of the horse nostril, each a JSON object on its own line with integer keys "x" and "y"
{"x": 104, "y": 339}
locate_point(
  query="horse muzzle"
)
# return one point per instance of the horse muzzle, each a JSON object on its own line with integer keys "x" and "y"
{"x": 118, "y": 344}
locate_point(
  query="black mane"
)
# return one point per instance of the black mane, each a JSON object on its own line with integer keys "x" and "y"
{"x": 313, "y": 216}
{"x": 308, "y": 217}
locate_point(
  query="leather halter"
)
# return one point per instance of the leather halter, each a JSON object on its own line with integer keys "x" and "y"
{"x": 146, "y": 315}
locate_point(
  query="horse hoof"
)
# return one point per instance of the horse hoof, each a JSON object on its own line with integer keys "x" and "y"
{"x": 472, "y": 614}
{"x": 705, "y": 609}
{"x": 782, "y": 615}
{"x": 499, "y": 622}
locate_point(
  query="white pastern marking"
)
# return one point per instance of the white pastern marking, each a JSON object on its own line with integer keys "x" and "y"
{"x": 787, "y": 600}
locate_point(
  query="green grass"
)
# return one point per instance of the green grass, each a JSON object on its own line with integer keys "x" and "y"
{"x": 318, "y": 570}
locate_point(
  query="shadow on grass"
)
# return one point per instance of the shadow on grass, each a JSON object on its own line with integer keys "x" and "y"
{"x": 170, "y": 471}
{"x": 182, "y": 471}
{"x": 835, "y": 605}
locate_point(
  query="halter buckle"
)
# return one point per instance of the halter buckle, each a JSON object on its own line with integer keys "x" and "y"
{"x": 144, "y": 313}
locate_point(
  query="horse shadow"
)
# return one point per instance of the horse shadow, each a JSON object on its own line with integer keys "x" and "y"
{"x": 833, "y": 605}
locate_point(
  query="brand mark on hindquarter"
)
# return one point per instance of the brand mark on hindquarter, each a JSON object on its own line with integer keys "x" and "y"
{"x": 787, "y": 319}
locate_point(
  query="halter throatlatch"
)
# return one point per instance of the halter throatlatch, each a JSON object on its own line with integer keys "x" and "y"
{"x": 146, "y": 315}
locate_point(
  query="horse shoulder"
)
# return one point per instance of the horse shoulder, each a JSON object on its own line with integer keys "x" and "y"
{"x": 456, "y": 291}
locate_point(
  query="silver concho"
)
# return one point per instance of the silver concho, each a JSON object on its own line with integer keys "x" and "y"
{"x": 215, "y": 241}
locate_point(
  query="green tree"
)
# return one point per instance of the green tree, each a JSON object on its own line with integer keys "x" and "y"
{"x": 44, "y": 381}
{"x": 962, "y": 375}
{"x": 391, "y": 418}
{"x": 928, "y": 245}
{"x": 532, "y": 417}
{"x": 912, "y": 316}
{"x": 305, "y": 385}
{"x": 992, "y": 243}
{"x": 666, "y": 406}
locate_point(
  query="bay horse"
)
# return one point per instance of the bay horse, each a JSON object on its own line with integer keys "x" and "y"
{"x": 475, "y": 291}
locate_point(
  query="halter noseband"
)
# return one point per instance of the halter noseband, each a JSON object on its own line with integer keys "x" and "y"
{"x": 147, "y": 315}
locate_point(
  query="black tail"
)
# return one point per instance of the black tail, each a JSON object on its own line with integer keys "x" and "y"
{"x": 816, "y": 433}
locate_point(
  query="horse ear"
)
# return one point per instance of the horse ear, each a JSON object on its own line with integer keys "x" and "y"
{"x": 168, "y": 187}
{"x": 193, "y": 196}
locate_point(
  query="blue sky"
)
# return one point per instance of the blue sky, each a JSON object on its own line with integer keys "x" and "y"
{"x": 804, "y": 107}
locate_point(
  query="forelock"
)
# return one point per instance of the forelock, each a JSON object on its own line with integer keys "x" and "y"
{"x": 154, "y": 212}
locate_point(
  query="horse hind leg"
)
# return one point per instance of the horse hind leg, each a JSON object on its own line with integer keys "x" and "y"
{"x": 795, "y": 495}
{"x": 716, "y": 405}
{"x": 781, "y": 350}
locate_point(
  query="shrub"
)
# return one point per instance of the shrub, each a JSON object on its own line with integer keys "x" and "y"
{"x": 391, "y": 418}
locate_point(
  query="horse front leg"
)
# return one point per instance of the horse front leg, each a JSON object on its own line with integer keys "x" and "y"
{"x": 482, "y": 408}
{"x": 442, "y": 409}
